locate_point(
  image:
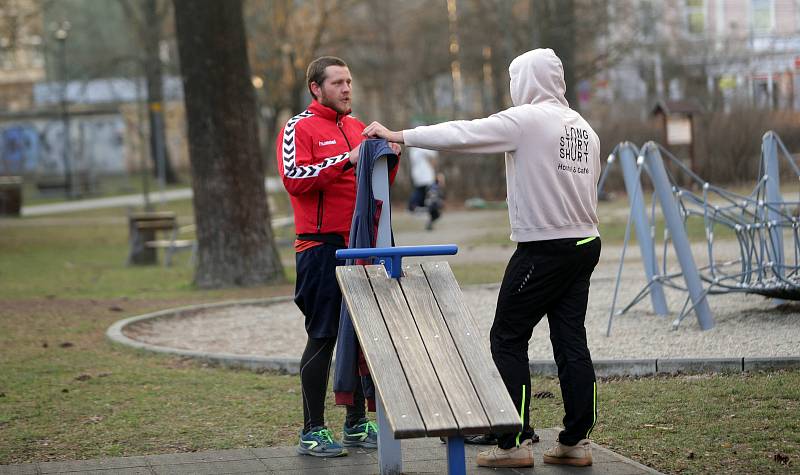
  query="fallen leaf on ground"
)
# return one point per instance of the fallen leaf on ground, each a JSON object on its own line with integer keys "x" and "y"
{"x": 782, "y": 459}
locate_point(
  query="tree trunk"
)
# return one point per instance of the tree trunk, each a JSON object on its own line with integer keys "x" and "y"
{"x": 155, "y": 92}
{"x": 236, "y": 246}
{"x": 555, "y": 28}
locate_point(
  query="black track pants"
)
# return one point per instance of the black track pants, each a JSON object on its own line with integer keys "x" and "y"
{"x": 548, "y": 278}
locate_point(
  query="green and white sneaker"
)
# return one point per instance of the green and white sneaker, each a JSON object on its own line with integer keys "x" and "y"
{"x": 319, "y": 443}
{"x": 364, "y": 434}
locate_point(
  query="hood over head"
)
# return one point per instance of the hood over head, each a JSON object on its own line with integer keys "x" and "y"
{"x": 537, "y": 76}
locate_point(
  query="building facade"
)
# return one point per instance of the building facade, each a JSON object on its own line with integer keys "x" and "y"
{"x": 723, "y": 52}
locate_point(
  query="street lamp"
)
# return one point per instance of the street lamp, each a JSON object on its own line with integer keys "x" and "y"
{"x": 60, "y": 34}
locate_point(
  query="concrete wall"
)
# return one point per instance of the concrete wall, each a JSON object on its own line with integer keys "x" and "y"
{"x": 36, "y": 146}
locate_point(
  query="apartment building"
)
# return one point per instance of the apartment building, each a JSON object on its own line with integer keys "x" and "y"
{"x": 719, "y": 51}
{"x": 21, "y": 57}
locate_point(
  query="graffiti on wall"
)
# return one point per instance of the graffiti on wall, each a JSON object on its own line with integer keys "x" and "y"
{"x": 19, "y": 149}
{"x": 96, "y": 146}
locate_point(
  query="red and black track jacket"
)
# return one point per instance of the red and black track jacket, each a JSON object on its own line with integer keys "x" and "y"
{"x": 314, "y": 164}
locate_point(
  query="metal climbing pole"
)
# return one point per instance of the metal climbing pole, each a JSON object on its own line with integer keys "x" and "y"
{"x": 680, "y": 240}
{"x": 769, "y": 154}
{"x": 627, "y": 159}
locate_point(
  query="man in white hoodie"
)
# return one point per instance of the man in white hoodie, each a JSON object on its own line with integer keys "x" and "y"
{"x": 552, "y": 168}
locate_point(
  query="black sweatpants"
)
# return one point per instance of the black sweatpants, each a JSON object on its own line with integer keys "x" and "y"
{"x": 552, "y": 278}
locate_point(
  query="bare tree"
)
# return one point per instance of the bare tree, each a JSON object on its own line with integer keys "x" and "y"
{"x": 284, "y": 37}
{"x": 148, "y": 17}
{"x": 236, "y": 246}
{"x": 555, "y": 25}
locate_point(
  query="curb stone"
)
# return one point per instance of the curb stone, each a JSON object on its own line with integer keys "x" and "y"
{"x": 699, "y": 365}
{"x": 762, "y": 364}
{"x": 116, "y": 334}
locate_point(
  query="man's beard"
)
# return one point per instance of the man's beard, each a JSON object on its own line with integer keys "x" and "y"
{"x": 326, "y": 101}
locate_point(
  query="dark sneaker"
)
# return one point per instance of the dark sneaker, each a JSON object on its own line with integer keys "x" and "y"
{"x": 364, "y": 434}
{"x": 491, "y": 439}
{"x": 319, "y": 443}
{"x": 579, "y": 455}
{"x": 481, "y": 439}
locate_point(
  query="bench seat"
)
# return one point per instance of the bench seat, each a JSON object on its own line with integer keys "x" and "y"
{"x": 166, "y": 243}
{"x": 429, "y": 362}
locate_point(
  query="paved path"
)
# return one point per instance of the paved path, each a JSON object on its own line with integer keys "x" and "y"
{"x": 419, "y": 456}
{"x": 271, "y": 183}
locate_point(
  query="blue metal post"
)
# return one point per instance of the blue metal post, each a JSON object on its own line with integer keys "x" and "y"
{"x": 456, "y": 464}
{"x": 390, "y": 454}
{"x": 380, "y": 190}
{"x": 680, "y": 240}
{"x": 627, "y": 159}
{"x": 604, "y": 175}
{"x": 398, "y": 251}
{"x": 769, "y": 152}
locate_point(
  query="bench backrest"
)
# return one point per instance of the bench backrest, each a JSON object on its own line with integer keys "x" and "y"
{"x": 427, "y": 358}
{"x": 152, "y": 215}
{"x": 155, "y": 220}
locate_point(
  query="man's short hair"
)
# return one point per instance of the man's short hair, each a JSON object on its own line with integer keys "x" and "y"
{"x": 316, "y": 70}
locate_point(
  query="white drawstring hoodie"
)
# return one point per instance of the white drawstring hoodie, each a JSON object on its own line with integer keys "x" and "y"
{"x": 552, "y": 154}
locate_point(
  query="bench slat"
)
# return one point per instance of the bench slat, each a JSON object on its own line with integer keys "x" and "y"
{"x": 165, "y": 243}
{"x": 449, "y": 367}
{"x": 474, "y": 351}
{"x": 413, "y": 356}
{"x": 385, "y": 367}
{"x": 151, "y": 215}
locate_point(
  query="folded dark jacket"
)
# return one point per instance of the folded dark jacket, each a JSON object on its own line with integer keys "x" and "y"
{"x": 350, "y": 364}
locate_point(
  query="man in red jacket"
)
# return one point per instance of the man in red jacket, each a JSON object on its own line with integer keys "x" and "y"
{"x": 317, "y": 151}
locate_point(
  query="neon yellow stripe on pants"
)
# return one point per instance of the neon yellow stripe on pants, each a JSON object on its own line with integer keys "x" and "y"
{"x": 594, "y": 411}
{"x": 521, "y": 414}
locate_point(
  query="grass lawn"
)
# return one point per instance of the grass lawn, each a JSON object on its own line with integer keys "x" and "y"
{"x": 67, "y": 393}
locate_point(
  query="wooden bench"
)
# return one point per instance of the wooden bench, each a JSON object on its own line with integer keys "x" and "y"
{"x": 10, "y": 195}
{"x": 432, "y": 369}
{"x": 173, "y": 244}
{"x": 143, "y": 228}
